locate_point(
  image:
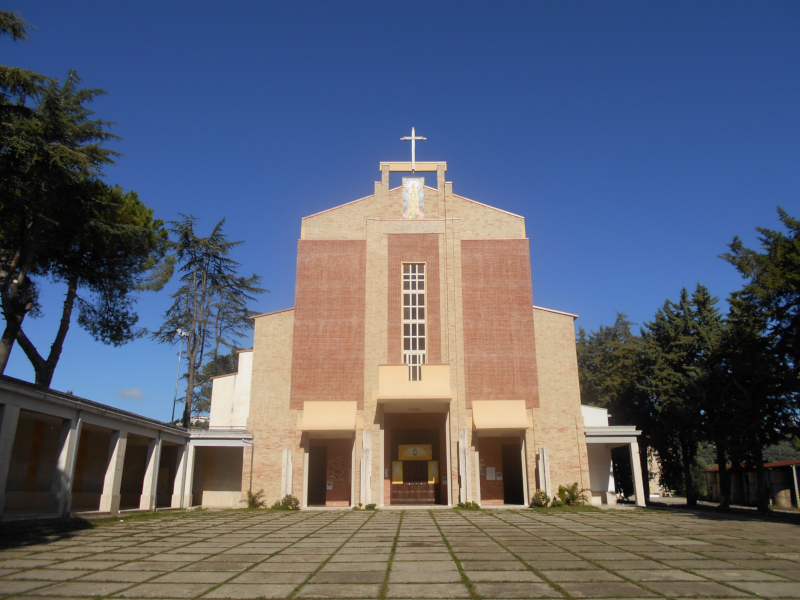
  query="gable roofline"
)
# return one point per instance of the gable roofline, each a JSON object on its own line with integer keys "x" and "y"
{"x": 558, "y": 312}
{"x": 274, "y": 312}
{"x": 335, "y": 207}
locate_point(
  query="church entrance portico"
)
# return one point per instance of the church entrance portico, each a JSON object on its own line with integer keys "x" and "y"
{"x": 329, "y": 471}
{"x": 501, "y": 469}
{"x": 415, "y": 458}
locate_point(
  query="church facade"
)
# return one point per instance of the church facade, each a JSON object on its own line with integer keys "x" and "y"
{"x": 414, "y": 367}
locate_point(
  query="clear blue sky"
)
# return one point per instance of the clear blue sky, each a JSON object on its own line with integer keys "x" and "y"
{"x": 636, "y": 138}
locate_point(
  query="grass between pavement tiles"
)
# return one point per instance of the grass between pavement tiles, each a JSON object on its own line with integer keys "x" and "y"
{"x": 385, "y": 585}
{"x": 464, "y": 579}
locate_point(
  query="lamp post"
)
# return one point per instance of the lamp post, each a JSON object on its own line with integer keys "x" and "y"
{"x": 181, "y": 336}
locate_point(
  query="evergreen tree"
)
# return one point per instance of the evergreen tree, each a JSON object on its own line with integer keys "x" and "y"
{"x": 211, "y": 302}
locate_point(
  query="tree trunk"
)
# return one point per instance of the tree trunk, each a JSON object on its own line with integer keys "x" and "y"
{"x": 45, "y": 369}
{"x": 761, "y": 478}
{"x": 688, "y": 481}
{"x": 12, "y": 302}
{"x": 724, "y": 476}
{"x": 13, "y": 325}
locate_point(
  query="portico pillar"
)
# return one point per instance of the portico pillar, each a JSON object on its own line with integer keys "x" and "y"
{"x": 636, "y": 466}
{"x": 8, "y": 431}
{"x": 189, "y": 479}
{"x": 110, "y": 498}
{"x": 60, "y": 499}
{"x": 365, "y": 495}
{"x": 148, "y": 498}
{"x": 179, "y": 480}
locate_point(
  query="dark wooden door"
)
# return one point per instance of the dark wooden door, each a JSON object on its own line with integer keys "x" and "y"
{"x": 512, "y": 475}
{"x": 317, "y": 475}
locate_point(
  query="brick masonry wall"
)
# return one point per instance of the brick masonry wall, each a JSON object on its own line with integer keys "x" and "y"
{"x": 420, "y": 248}
{"x": 491, "y": 455}
{"x": 499, "y": 345}
{"x": 339, "y": 456}
{"x": 274, "y": 426}
{"x": 347, "y": 221}
{"x": 328, "y": 352}
{"x": 558, "y": 423}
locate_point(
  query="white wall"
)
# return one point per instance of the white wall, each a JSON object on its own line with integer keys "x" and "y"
{"x": 230, "y": 395}
{"x": 594, "y": 417}
{"x": 601, "y": 470}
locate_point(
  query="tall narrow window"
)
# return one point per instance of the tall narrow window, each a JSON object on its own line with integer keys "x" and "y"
{"x": 414, "y": 319}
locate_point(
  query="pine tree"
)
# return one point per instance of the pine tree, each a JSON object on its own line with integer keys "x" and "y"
{"x": 211, "y": 303}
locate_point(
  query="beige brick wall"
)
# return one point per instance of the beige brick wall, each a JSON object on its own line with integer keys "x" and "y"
{"x": 273, "y": 424}
{"x": 345, "y": 222}
{"x": 479, "y": 221}
{"x": 558, "y": 423}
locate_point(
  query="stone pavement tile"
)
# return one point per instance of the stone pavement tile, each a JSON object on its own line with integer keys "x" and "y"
{"x": 492, "y": 566}
{"x": 767, "y": 564}
{"x": 165, "y": 590}
{"x": 494, "y": 555}
{"x": 611, "y": 589}
{"x": 580, "y": 576}
{"x": 290, "y": 558}
{"x": 250, "y": 590}
{"x": 424, "y": 576}
{"x": 694, "y": 589}
{"x": 733, "y": 554}
{"x": 548, "y": 556}
{"x": 257, "y": 577}
{"x": 738, "y": 575}
{"x": 659, "y": 575}
{"x": 509, "y": 576}
{"x": 24, "y": 563}
{"x": 346, "y": 590}
{"x": 789, "y": 574}
{"x": 427, "y": 590}
{"x": 173, "y": 558}
{"x": 82, "y": 589}
{"x": 271, "y": 567}
{"x": 700, "y": 564}
{"x": 417, "y": 557}
{"x": 357, "y": 558}
{"x": 772, "y": 589}
{"x": 610, "y": 555}
{"x": 517, "y": 590}
{"x": 630, "y": 564}
{"x": 4, "y": 572}
{"x": 121, "y": 576}
{"x": 17, "y": 587}
{"x": 670, "y": 555}
{"x": 217, "y": 565}
{"x": 365, "y": 566}
{"x": 349, "y": 577}
{"x": 46, "y": 575}
{"x": 87, "y": 564}
{"x": 192, "y": 577}
{"x": 434, "y": 567}
{"x": 149, "y": 565}
{"x": 545, "y": 565}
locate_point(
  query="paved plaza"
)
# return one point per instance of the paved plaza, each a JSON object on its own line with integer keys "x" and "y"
{"x": 408, "y": 554}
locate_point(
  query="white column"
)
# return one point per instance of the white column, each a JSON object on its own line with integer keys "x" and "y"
{"x": 636, "y": 467}
{"x": 60, "y": 497}
{"x": 8, "y": 431}
{"x": 477, "y": 462}
{"x": 382, "y": 487}
{"x": 366, "y": 468}
{"x": 188, "y": 479}
{"x": 307, "y": 445}
{"x": 353, "y": 473}
{"x": 544, "y": 472}
{"x": 178, "y": 481}
{"x": 286, "y": 474}
{"x": 109, "y": 500}
{"x": 525, "y": 497}
{"x": 449, "y": 478}
{"x": 148, "y": 498}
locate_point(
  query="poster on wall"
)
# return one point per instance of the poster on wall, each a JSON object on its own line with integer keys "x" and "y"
{"x": 337, "y": 469}
{"x": 330, "y": 485}
{"x": 499, "y": 476}
{"x": 397, "y": 471}
{"x": 415, "y": 452}
{"x": 489, "y": 473}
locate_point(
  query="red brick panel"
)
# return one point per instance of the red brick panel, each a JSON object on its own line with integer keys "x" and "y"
{"x": 499, "y": 344}
{"x": 416, "y": 248}
{"x": 328, "y": 348}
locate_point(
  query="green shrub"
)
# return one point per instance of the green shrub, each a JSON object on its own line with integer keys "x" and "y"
{"x": 288, "y": 503}
{"x": 572, "y": 495}
{"x": 468, "y": 506}
{"x": 370, "y": 507}
{"x": 256, "y": 500}
{"x": 540, "y": 499}
{"x": 557, "y": 502}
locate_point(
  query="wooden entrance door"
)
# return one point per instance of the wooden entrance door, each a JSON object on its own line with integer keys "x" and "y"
{"x": 317, "y": 475}
{"x": 513, "y": 492}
